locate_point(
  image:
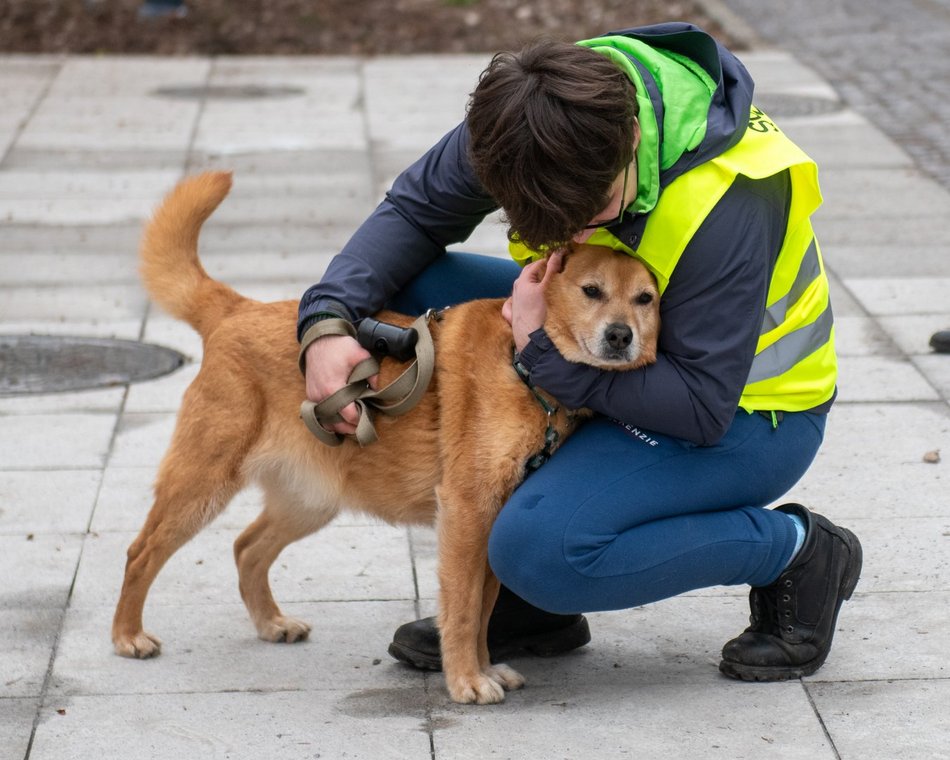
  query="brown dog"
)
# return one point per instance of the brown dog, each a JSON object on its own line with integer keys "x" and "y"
{"x": 454, "y": 459}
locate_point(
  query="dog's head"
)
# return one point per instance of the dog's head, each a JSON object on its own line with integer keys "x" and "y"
{"x": 603, "y": 309}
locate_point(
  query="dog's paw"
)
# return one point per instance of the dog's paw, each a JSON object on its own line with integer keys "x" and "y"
{"x": 478, "y": 689}
{"x": 506, "y": 677}
{"x": 286, "y": 629}
{"x": 140, "y": 645}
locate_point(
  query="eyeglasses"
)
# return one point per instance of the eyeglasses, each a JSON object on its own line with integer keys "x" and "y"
{"x": 623, "y": 198}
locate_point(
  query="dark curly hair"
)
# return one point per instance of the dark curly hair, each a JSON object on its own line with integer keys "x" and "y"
{"x": 551, "y": 128}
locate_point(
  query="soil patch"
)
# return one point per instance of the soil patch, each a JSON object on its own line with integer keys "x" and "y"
{"x": 326, "y": 27}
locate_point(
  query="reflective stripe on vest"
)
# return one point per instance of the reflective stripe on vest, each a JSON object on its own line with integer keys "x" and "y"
{"x": 794, "y": 366}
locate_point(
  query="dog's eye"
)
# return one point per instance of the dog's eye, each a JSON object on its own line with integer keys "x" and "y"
{"x": 644, "y": 298}
{"x": 592, "y": 291}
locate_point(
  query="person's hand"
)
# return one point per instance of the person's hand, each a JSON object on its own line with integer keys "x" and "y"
{"x": 330, "y": 361}
{"x": 526, "y": 309}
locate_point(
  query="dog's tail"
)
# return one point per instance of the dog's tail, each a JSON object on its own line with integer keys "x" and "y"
{"x": 168, "y": 258}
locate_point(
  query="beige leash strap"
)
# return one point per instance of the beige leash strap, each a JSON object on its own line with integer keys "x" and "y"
{"x": 397, "y": 398}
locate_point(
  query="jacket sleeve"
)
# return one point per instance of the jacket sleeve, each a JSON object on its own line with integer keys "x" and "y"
{"x": 711, "y": 315}
{"x": 436, "y": 202}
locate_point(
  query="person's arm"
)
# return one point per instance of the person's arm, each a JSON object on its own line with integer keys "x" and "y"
{"x": 711, "y": 316}
{"x": 434, "y": 203}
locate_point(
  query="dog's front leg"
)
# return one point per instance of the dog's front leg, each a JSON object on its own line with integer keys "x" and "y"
{"x": 504, "y": 675}
{"x": 463, "y": 608}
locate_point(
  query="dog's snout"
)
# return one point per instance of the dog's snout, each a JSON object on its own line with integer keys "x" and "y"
{"x": 618, "y": 336}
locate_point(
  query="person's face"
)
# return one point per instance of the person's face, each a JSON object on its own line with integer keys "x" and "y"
{"x": 623, "y": 192}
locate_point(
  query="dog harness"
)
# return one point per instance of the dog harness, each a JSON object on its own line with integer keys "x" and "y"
{"x": 397, "y": 398}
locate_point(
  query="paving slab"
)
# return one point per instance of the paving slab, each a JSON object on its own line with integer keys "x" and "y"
{"x": 51, "y": 560}
{"x": 859, "y": 192}
{"x": 872, "y": 463}
{"x": 68, "y": 440}
{"x": 889, "y": 636}
{"x": 80, "y": 402}
{"x": 861, "y": 336}
{"x": 655, "y": 721}
{"x": 842, "y": 302}
{"x": 23, "y": 81}
{"x": 68, "y": 268}
{"x": 904, "y": 719}
{"x": 922, "y": 230}
{"x": 403, "y": 116}
{"x": 325, "y": 114}
{"x": 845, "y": 140}
{"x": 81, "y": 196}
{"x": 162, "y": 394}
{"x": 163, "y": 330}
{"x": 882, "y": 378}
{"x": 214, "y": 648}
{"x": 70, "y": 303}
{"x": 29, "y": 634}
{"x": 141, "y": 439}
{"x": 235, "y": 725}
{"x": 77, "y": 239}
{"x": 61, "y": 501}
{"x": 16, "y": 721}
{"x": 912, "y": 333}
{"x": 909, "y": 555}
{"x": 876, "y": 261}
{"x": 882, "y": 296}
{"x": 71, "y": 121}
{"x": 936, "y": 369}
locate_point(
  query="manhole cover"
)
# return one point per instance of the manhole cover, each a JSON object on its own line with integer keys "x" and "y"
{"x": 784, "y": 105}
{"x": 51, "y": 364}
{"x": 228, "y": 91}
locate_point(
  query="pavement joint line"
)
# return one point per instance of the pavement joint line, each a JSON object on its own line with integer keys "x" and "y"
{"x": 738, "y": 27}
{"x": 41, "y": 96}
{"x": 187, "y": 168}
{"x": 372, "y": 152}
{"x": 821, "y": 720}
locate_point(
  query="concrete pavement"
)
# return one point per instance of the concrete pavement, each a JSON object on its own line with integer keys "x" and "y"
{"x": 88, "y": 147}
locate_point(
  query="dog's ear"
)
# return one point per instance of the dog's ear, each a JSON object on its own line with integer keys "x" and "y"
{"x": 565, "y": 251}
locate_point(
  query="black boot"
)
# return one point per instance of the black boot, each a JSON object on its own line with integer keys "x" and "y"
{"x": 515, "y": 627}
{"x": 793, "y": 619}
{"x": 940, "y": 342}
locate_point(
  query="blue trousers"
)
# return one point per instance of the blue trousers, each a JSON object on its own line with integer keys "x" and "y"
{"x": 621, "y": 516}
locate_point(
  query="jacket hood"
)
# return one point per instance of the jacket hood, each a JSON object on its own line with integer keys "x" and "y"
{"x": 694, "y": 96}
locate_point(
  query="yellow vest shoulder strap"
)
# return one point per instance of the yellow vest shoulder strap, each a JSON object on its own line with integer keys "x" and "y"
{"x": 687, "y": 201}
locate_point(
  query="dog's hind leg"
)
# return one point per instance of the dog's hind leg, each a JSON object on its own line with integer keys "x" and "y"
{"x": 198, "y": 477}
{"x": 281, "y": 523}
{"x": 174, "y": 519}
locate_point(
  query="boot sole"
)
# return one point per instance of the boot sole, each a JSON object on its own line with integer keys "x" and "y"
{"x": 785, "y": 673}
{"x": 547, "y": 644}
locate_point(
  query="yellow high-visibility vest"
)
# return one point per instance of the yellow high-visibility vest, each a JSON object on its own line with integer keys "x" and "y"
{"x": 795, "y": 367}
